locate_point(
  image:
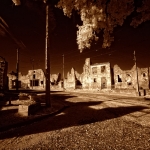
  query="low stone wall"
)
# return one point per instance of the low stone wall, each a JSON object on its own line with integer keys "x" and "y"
{"x": 125, "y": 91}
{"x": 147, "y": 92}
{"x": 133, "y": 92}
{"x": 69, "y": 85}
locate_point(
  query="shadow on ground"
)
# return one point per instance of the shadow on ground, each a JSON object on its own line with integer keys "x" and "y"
{"x": 77, "y": 112}
{"x": 12, "y": 95}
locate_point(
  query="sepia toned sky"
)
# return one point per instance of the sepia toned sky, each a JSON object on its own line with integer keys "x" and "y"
{"x": 29, "y": 27}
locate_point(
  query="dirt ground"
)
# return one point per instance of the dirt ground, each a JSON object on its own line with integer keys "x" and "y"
{"x": 88, "y": 121}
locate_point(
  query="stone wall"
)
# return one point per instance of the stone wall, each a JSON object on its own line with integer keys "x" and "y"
{"x": 125, "y": 91}
{"x": 100, "y": 76}
{"x": 143, "y": 77}
{"x": 36, "y": 79}
{"x": 55, "y": 78}
{"x": 85, "y": 76}
{"x": 96, "y": 76}
{"x": 22, "y": 80}
{"x": 70, "y": 81}
{"x": 127, "y": 79}
{"x": 124, "y": 78}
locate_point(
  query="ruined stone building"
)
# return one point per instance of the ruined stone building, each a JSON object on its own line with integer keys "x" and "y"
{"x": 85, "y": 76}
{"x": 98, "y": 76}
{"x": 12, "y": 80}
{"x": 35, "y": 79}
{"x": 128, "y": 79}
{"x": 3, "y": 74}
{"x": 55, "y": 78}
{"x": 144, "y": 78}
{"x": 95, "y": 76}
{"x": 70, "y": 81}
{"x": 101, "y": 76}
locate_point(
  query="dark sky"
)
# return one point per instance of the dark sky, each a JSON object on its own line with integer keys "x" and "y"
{"x": 29, "y": 27}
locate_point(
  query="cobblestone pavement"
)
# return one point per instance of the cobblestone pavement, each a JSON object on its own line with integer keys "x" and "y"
{"x": 89, "y": 122}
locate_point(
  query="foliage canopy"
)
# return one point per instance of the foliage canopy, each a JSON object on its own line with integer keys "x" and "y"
{"x": 101, "y": 16}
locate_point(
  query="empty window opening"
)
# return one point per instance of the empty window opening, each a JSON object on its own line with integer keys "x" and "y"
{"x": 103, "y": 82}
{"x": 34, "y": 82}
{"x": 34, "y": 76}
{"x": 129, "y": 83}
{"x": 94, "y": 70}
{"x": 119, "y": 79}
{"x": 129, "y": 79}
{"x": 95, "y": 80}
{"x": 144, "y": 74}
{"x": 103, "y": 69}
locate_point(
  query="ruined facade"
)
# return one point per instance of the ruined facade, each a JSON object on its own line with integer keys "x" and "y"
{"x": 3, "y": 74}
{"x": 143, "y": 78}
{"x": 95, "y": 76}
{"x": 70, "y": 81}
{"x": 12, "y": 79}
{"x": 85, "y": 77}
{"x": 35, "y": 79}
{"x": 101, "y": 76}
{"x": 55, "y": 78}
{"x": 128, "y": 79}
{"x": 98, "y": 76}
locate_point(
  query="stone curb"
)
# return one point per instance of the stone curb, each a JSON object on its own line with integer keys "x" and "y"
{"x": 113, "y": 94}
{"x": 30, "y": 121}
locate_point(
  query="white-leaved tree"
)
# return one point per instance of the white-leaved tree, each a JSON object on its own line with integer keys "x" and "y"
{"x": 102, "y": 16}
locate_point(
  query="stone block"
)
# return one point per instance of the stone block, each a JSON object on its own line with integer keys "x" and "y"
{"x": 142, "y": 92}
{"x": 147, "y": 97}
{"x": 26, "y": 110}
{"x": 23, "y": 97}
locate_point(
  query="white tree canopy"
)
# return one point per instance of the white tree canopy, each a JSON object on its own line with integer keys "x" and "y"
{"x": 102, "y": 15}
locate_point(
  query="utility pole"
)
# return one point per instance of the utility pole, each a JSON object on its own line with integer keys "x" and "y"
{"x": 63, "y": 70}
{"x": 47, "y": 59}
{"x": 137, "y": 89}
{"x": 32, "y": 61}
{"x": 17, "y": 70}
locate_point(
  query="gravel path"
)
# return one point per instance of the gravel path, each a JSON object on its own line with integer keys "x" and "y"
{"x": 88, "y": 123}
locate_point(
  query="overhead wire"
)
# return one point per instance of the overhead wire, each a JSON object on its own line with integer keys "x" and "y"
{"x": 84, "y": 58}
{"x": 69, "y": 54}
